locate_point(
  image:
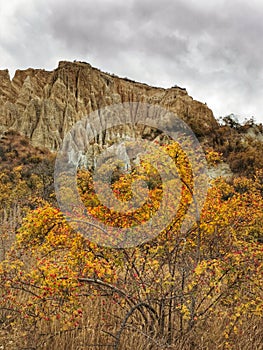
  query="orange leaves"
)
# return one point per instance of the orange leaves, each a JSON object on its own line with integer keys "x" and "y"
{"x": 232, "y": 284}
{"x": 232, "y": 214}
{"x": 213, "y": 157}
{"x": 46, "y": 263}
{"x": 138, "y": 208}
{"x": 214, "y": 269}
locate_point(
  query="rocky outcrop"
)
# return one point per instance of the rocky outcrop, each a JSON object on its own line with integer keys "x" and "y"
{"x": 222, "y": 169}
{"x": 44, "y": 105}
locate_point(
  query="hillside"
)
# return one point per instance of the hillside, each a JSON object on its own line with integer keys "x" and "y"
{"x": 154, "y": 258}
{"x": 43, "y": 105}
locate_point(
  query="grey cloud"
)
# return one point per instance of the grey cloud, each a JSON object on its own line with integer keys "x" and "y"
{"x": 214, "y": 49}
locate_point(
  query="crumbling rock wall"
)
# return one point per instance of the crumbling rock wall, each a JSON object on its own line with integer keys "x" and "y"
{"x": 44, "y": 105}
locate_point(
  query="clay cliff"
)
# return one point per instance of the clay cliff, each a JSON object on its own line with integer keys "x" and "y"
{"x": 43, "y": 105}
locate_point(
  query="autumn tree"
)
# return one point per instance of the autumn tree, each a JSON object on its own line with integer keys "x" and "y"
{"x": 166, "y": 290}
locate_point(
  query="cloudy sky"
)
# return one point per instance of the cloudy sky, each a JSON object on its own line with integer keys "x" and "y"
{"x": 213, "y": 48}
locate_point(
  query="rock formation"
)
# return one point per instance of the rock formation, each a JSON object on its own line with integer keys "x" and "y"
{"x": 44, "y": 105}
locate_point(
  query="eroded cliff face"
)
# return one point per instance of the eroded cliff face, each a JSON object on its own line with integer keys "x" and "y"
{"x": 44, "y": 105}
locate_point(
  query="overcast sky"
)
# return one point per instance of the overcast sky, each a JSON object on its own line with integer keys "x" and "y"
{"x": 213, "y": 48}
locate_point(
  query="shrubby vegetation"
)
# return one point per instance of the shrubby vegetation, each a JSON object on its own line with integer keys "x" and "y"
{"x": 241, "y": 145}
{"x": 200, "y": 289}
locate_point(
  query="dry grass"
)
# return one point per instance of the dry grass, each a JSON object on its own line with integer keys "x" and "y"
{"x": 101, "y": 323}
